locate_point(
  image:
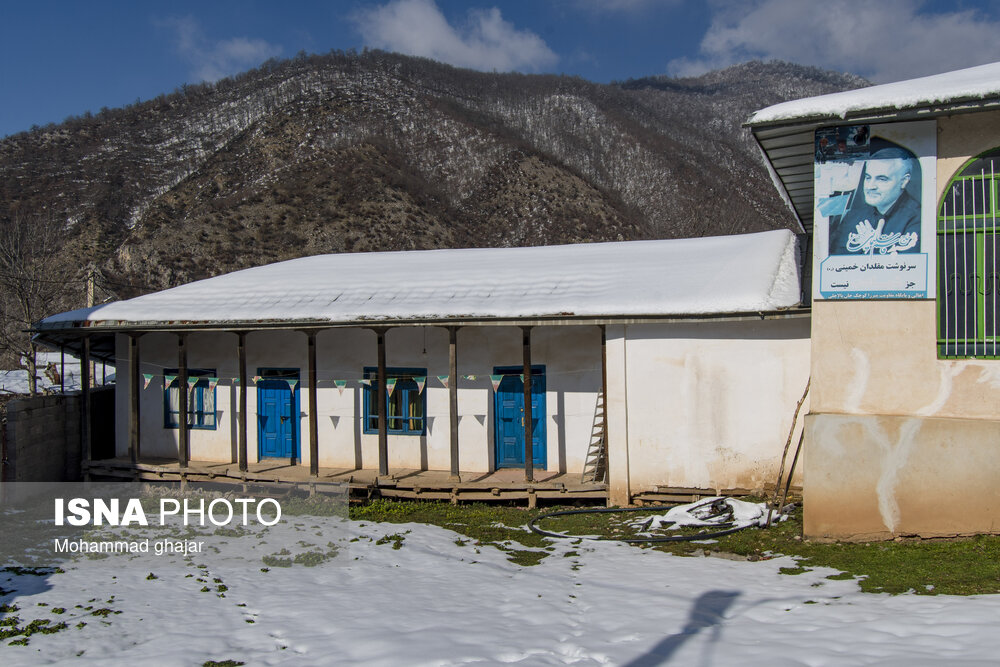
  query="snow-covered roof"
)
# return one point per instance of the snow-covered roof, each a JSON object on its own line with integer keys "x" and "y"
{"x": 731, "y": 274}
{"x": 965, "y": 85}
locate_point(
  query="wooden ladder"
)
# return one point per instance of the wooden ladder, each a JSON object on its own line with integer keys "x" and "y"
{"x": 595, "y": 468}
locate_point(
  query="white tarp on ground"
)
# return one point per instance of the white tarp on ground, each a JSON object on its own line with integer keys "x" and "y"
{"x": 712, "y": 512}
{"x": 440, "y": 600}
{"x": 730, "y": 274}
{"x": 974, "y": 83}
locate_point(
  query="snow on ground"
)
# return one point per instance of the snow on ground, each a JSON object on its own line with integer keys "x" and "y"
{"x": 440, "y": 600}
{"x": 16, "y": 382}
{"x": 50, "y": 364}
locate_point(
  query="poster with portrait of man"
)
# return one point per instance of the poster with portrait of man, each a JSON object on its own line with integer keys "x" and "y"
{"x": 873, "y": 219}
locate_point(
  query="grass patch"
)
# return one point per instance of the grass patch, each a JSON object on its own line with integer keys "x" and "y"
{"x": 953, "y": 567}
{"x": 928, "y": 567}
{"x": 956, "y": 567}
{"x": 396, "y": 539}
{"x": 491, "y": 525}
{"x": 238, "y": 531}
{"x": 32, "y": 571}
{"x": 318, "y": 505}
{"x": 284, "y": 558}
{"x": 525, "y": 557}
{"x": 104, "y": 613}
{"x": 311, "y": 558}
{"x": 13, "y": 628}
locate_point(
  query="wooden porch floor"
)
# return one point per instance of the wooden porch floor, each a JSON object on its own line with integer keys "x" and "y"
{"x": 506, "y": 484}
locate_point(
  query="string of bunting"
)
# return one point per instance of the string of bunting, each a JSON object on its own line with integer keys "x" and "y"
{"x": 390, "y": 383}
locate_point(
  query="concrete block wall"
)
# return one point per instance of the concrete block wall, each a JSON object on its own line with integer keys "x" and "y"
{"x": 42, "y": 437}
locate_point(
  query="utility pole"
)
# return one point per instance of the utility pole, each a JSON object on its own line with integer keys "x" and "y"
{"x": 90, "y": 302}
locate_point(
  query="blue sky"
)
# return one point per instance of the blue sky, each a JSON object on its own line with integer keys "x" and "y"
{"x": 59, "y": 59}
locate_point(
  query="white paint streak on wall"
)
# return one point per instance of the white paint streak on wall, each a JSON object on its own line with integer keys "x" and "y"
{"x": 894, "y": 458}
{"x": 948, "y": 370}
{"x": 988, "y": 375}
{"x": 862, "y": 371}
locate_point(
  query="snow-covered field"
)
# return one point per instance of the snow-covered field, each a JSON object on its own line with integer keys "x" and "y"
{"x": 428, "y": 596}
{"x": 16, "y": 381}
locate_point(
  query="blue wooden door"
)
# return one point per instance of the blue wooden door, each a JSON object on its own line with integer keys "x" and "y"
{"x": 277, "y": 418}
{"x": 509, "y": 421}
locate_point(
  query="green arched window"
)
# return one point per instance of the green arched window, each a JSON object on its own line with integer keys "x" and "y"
{"x": 968, "y": 249}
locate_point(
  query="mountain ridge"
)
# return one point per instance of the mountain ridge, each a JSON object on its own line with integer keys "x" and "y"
{"x": 349, "y": 152}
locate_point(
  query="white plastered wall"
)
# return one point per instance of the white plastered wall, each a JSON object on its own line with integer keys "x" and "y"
{"x": 571, "y": 356}
{"x": 705, "y": 405}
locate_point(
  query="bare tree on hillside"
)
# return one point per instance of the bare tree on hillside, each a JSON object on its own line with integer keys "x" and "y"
{"x": 32, "y": 285}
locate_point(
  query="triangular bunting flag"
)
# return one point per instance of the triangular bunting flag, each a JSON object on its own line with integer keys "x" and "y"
{"x": 147, "y": 378}
{"x": 212, "y": 382}
{"x": 421, "y": 380}
{"x": 256, "y": 379}
{"x": 168, "y": 380}
{"x": 366, "y": 382}
{"x": 192, "y": 381}
{"x": 469, "y": 377}
{"x": 291, "y": 383}
{"x": 521, "y": 376}
{"x": 443, "y": 379}
{"x": 495, "y": 381}
{"x": 390, "y": 384}
{"x": 340, "y": 384}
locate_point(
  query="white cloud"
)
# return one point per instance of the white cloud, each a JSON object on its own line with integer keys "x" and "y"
{"x": 212, "y": 61}
{"x": 622, "y": 6}
{"x": 883, "y": 41}
{"x": 485, "y": 42}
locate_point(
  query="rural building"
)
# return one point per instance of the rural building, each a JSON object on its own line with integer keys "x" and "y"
{"x": 897, "y": 185}
{"x": 663, "y": 364}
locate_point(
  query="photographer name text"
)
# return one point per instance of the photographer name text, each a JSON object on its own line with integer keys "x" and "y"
{"x": 158, "y": 547}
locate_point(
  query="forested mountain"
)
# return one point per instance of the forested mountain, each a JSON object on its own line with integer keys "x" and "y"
{"x": 376, "y": 151}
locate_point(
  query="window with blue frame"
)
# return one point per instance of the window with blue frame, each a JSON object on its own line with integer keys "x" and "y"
{"x": 406, "y": 406}
{"x": 201, "y": 399}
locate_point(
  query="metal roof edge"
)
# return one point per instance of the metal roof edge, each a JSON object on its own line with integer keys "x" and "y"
{"x": 884, "y": 114}
{"x": 79, "y": 329}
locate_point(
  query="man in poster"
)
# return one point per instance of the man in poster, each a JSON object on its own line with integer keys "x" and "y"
{"x": 887, "y": 221}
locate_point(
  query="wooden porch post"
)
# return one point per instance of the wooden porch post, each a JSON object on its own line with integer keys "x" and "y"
{"x": 313, "y": 403}
{"x": 62, "y": 369}
{"x": 85, "y": 443}
{"x": 242, "y": 353}
{"x": 453, "y": 400}
{"x": 382, "y": 397}
{"x": 182, "y": 390}
{"x": 134, "y": 394}
{"x": 529, "y": 453}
